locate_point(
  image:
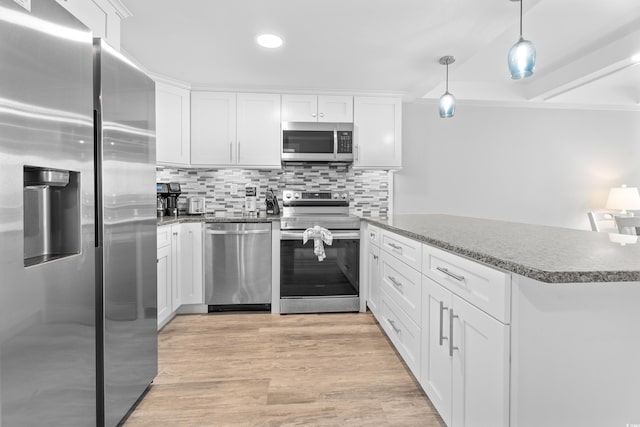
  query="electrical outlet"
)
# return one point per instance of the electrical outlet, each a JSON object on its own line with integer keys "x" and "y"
{"x": 233, "y": 188}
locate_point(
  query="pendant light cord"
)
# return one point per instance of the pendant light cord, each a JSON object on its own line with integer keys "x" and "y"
{"x": 447, "y": 89}
{"x": 521, "y": 18}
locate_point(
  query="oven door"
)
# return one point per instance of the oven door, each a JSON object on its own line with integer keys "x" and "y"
{"x": 308, "y": 285}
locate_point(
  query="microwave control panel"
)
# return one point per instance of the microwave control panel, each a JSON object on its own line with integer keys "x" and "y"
{"x": 345, "y": 142}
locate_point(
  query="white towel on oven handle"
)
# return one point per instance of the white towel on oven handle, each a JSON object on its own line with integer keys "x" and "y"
{"x": 319, "y": 235}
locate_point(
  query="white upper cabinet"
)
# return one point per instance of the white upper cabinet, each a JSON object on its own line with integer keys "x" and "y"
{"x": 172, "y": 125}
{"x": 312, "y": 108}
{"x": 101, "y": 16}
{"x": 213, "y": 128}
{"x": 377, "y": 132}
{"x": 238, "y": 130}
{"x": 258, "y": 130}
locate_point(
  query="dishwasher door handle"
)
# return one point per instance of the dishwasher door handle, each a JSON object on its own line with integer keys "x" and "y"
{"x": 237, "y": 233}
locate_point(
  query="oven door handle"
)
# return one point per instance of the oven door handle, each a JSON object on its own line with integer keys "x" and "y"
{"x": 297, "y": 235}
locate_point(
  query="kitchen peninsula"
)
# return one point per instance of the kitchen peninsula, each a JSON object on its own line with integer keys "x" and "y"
{"x": 510, "y": 324}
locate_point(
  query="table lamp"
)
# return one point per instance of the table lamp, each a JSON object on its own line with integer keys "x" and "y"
{"x": 623, "y": 199}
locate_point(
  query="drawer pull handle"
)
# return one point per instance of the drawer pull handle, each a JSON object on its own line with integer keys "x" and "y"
{"x": 442, "y": 309}
{"x": 450, "y": 274}
{"x": 394, "y": 246}
{"x": 395, "y": 282}
{"x": 375, "y": 257}
{"x": 393, "y": 325}
{"x": 451, "y": 346}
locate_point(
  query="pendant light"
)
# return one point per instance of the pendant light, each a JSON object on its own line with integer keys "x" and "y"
{"x": 522, "y": 55}
{"x": 447, "y": 101}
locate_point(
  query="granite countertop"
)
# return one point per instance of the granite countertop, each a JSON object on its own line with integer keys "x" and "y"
{"x": 211, "y": 218}
{"x": 547, "y": 254}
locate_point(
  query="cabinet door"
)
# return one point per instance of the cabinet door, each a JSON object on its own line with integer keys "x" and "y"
{"x": 335, "y": 109}
{"x": 480, "y": 368}
{"x": 259, "y": 130}
{"x": 176, "y": 274}
{"x": 164, "y": 284}
{"x": 190, "y": 260}
{"x": 172, "y": 125}
{"x": 299, "y": 108}
{"x": 213, "y": 128}
{"x": 373, "y": 275}
{"x": 99, "y": 16}
{"x": 377, "y": 128}
{"x": 436, "y": 363}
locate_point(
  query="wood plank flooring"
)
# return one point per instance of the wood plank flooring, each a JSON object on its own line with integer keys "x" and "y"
{"x": 260, "y": 369}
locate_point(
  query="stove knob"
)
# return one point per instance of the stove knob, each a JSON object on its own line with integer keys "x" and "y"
{"x": 287, "y": 195}
{"x": 344, "y": 196}
{"x": 296, "y": 196}
{"x": 336, "y": 196}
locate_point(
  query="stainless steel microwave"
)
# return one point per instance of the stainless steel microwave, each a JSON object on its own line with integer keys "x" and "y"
{"x": 317, "y": 142}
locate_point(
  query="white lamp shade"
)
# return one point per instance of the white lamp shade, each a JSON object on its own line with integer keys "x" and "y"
{"x": 623, "y": 198}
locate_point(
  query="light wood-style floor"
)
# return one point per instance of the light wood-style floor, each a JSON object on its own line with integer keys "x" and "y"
{"x": 259, "y": 369}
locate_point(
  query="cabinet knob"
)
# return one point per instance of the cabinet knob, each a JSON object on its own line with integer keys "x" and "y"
{"x": 321, "y": 114}
{"x": 313, "y": 114}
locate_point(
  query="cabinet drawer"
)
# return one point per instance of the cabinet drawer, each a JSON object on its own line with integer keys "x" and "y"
{"x": 373, "y": 234}
{"x": 402, "y": 284}
{"x": 407, "y": 250}
{"x": 164, "y": 236}
{"x": 402, "y": 331}
{"x": 486, "y": 288}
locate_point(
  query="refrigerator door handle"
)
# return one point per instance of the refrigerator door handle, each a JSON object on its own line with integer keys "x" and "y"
{"x": 97, "y": 177}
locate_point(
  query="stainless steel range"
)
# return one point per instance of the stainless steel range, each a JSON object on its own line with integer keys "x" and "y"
{"x": 313, "y": 283}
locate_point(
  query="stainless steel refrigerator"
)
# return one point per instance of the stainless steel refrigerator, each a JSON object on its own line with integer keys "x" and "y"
{"x": 78, "y": 340}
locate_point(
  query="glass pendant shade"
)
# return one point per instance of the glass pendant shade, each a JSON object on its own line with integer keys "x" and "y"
{"x": 447, "y": 105}
{"x": 522, "y": 59}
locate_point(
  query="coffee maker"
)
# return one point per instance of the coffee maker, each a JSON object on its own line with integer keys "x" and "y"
{"x": 168, "y": 193}
{"x": 272, "y": 203}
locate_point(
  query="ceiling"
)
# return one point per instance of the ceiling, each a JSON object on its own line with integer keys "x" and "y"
{"x": 584, "y": 47}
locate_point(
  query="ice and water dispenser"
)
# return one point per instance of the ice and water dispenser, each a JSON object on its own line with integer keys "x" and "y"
{"x": 51, "y": 214}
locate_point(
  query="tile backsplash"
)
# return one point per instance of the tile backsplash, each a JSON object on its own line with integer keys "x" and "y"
{"x": 224, "y": 188}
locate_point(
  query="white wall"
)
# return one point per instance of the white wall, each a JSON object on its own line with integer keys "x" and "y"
{"x": 539, "y": 166}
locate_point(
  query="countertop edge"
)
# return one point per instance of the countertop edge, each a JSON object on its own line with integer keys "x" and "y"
{"x": 551, "y": 277}
{"x": 211, "y": 219}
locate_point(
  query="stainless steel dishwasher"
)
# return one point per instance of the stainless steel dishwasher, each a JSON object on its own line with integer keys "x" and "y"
{"x": 238, "y": 266}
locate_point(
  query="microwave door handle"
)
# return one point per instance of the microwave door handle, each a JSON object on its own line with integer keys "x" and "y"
{"x": 335, "y": 144}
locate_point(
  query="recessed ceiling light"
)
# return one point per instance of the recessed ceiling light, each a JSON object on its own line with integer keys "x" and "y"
{"x": 270, "y": 41}
{"x": 636, "y": 58}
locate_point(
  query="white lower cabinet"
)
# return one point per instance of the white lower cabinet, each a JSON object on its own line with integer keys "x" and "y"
{"x": 373, "y": 278}
{"x": 190, "y": 268}
{"x": 402, "y": 331}
{"x": 448, "y": 317}
{"x": 179, "y": 268}
{"x": 165, "y": 284}
{"x": 465, "y": 360}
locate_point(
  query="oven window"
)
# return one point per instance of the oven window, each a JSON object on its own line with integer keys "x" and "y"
{"x": 298, "y": 141}
{"x": 302, "y": 275}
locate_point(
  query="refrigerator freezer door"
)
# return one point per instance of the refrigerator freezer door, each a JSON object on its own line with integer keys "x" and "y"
{"x": 47, "y": 310}
{"x": 126, "y": 109}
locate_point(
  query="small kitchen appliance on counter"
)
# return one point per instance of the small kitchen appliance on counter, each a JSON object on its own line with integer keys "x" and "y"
{"x": 168, "y": 193}
{"x": 250, "y": 199}
{"x": 272, "y": 203}
{"x": 195, "y": 205}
